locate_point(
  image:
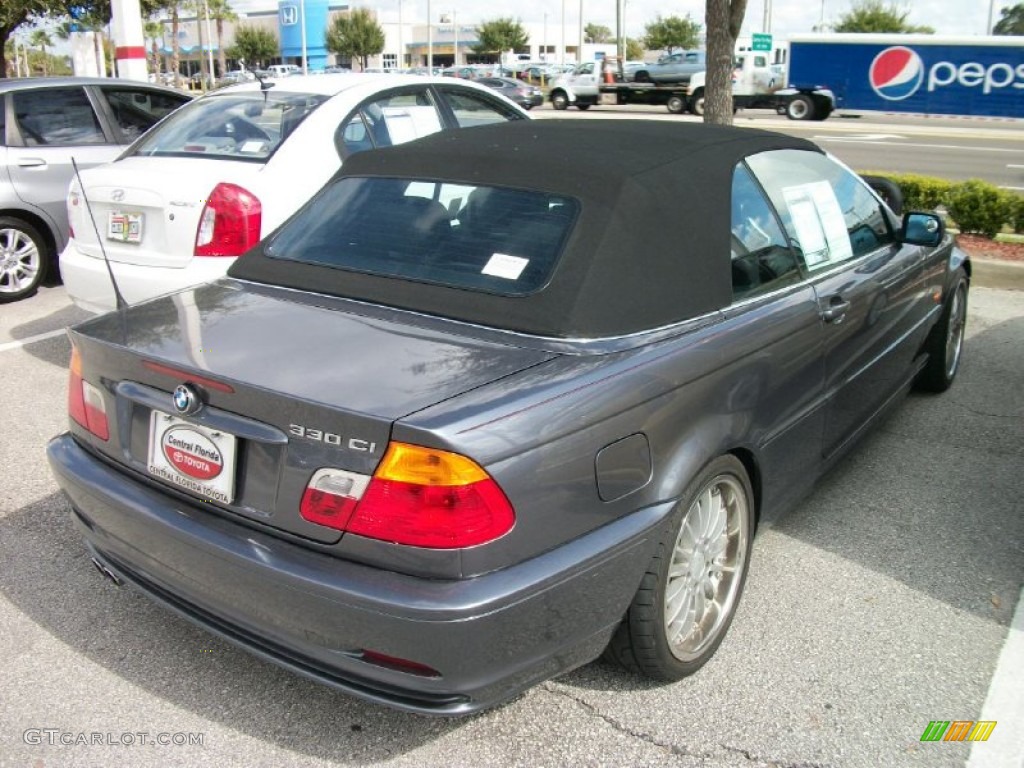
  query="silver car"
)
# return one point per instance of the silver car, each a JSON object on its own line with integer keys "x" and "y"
{"x": 45, "y": 124}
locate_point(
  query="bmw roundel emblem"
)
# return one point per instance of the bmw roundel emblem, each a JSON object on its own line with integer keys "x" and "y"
{"x": 186, "y": 400}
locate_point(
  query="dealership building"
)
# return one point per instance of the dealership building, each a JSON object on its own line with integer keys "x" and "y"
{"x": 408, "y": 42}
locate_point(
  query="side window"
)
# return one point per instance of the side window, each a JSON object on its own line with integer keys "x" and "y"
{"x": 830, "y": 214}
{"x": 56, "y": 117}
{"x": 760, "y": 61}
{"x": 392, "y": 119}
{"x": 586, "y": 69}
{"x": 137, "y": 110}
{"x": 3, "y": 121}
{"x": 761, "y": 258}
{"x": 473, "y": 109}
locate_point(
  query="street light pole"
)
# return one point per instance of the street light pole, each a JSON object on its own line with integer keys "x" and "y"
{"x": 209, "y": 38}
{"x": 430, "y": 41}
{"x": 561, "y": 53}
{"x": 302, "y": 28}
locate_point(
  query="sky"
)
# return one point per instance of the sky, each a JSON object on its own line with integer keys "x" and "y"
{"x": 949, "y": 17}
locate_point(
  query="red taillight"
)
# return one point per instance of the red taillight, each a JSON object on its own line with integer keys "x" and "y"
{"x": 400, "y": 664}
{"x": 85, "y": 402}
{"x": 418, "y": 497}
{"x": 230, "y": 222}
{"x": 331, "y": 497}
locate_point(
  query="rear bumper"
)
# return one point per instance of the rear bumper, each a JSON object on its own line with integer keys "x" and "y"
{"x": 88, "y": 282}
{"x": 489, "y": 637}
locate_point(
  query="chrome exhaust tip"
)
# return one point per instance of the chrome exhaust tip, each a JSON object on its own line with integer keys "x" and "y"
{"x": 106, "y": 571}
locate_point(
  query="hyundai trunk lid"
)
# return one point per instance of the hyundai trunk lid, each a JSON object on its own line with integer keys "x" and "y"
{"x": 157, "y": 201}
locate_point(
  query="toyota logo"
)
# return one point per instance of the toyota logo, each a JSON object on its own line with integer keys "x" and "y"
{"x": 186, "y": 400}
{"x": 117, "y": 195}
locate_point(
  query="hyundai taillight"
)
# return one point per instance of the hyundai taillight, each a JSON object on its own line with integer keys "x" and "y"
{"x": 230, "y": 222}
{"x": 421, "y": 497}
{"x": 85, "y": 402}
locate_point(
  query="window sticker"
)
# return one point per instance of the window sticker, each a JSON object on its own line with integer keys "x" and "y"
{"x": 410, "y": 122}
{"x": 253, "y": 146}
{"x": 819, "y": 223}
{"x": 505, "y": 266}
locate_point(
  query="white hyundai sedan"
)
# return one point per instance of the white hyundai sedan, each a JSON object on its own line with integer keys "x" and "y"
{"x": 210, "y": 181}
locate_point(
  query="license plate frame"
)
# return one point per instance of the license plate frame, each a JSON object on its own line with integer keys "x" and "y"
{"x": 125, "y": 227}
{"x": 193, "y": 457}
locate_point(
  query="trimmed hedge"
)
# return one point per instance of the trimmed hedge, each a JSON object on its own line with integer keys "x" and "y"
{"x": 974, "y": 205}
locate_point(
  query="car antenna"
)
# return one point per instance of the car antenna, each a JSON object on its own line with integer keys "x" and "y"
{"x": 264, "y": 85}
{"x": 119, "y": 301}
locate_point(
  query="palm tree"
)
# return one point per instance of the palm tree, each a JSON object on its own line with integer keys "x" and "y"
{"x": 41, "y": 38}
{"x": 220, "y": 11}
{"x": 154, "y": 30}
{"x": 175, "y": 50}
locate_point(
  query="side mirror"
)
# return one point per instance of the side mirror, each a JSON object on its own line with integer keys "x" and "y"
{"x": 922, "y": 229}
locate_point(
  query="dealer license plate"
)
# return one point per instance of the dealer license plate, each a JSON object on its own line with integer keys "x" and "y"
{"x": 124, "y": 227}
{"x": 192, "y": 457}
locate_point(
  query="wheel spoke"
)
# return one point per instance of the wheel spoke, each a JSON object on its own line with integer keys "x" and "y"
{"x": 703, "y": 575}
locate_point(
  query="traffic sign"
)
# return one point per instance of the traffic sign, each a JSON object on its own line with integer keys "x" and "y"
{"x": 761, "y": 42}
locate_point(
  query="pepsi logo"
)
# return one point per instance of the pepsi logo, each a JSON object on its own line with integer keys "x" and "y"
{"x": 191, "y": 453}
{"x": 896, "y": 73}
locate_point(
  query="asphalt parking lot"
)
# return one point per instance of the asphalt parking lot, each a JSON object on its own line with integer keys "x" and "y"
{"x": 879, "y": 604}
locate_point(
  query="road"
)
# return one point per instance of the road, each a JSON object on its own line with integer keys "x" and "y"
{"x": 879, "y": 604}
{"x": 946, "y": 147}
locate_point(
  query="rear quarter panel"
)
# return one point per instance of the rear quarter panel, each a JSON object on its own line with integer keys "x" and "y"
{"x": 748, "y": 380}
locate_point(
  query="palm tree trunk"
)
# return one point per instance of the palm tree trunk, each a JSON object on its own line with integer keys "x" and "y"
{"x": 221, "y": 56}
{"x": 175, "y": 52}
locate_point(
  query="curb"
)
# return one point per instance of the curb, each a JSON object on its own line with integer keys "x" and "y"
{"x": 993, "y": 273}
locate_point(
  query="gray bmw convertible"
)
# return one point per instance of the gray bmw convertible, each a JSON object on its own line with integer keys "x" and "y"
{"x": 499, "y": 401}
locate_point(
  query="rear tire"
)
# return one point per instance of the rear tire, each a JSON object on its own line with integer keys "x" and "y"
{"x": 800, "y": 108}
{"x": 676, "y": 104}
{"x": 946, "y": 340}
{"x": 697, "y": 102}
{"x": 642, "y": 77}
{"x": 559, "y": 100}
{"x": 688, "y": 597}
{"x": 24, "y": 259}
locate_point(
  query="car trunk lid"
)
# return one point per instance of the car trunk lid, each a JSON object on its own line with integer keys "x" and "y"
{"x": 289, "y": 387}
{"x": 147, "y": 209}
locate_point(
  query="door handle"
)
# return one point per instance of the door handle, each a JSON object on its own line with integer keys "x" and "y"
{"x": 31, "y": 162}
{"x": 836, "y": 310}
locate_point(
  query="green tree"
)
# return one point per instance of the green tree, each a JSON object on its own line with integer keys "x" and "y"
{"x": 254, "y": 44}
{"x": 220, "y": 11}
{"x": 504, "y": 34}
{"x": 634, "y": 49}
{"x": 874, "y": 16}
{"x": 1011, "y": 21}
{"x": 596, "y": 33}
{"x": 356, "y": 35}
{"x": 41, "y": 38}
{"x": 672, "y": 32}
{"x": 154, "y": 31}
{"x": 14, "y": 13}
{"x": 724, "y": 19}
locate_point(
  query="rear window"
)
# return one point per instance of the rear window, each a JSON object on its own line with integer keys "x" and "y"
{"x": 242, "y": 126}
{"x": 492, "y": 239}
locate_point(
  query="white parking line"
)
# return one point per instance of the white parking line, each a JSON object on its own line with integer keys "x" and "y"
{"x": 1012, "y": 165}
{"x": 1005, "y": 704}
{"x": 844, "y": 140}
{"x": 31, "y": 340}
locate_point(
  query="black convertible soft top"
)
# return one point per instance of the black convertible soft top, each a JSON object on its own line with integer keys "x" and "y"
{"x": 650, "y": 246}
